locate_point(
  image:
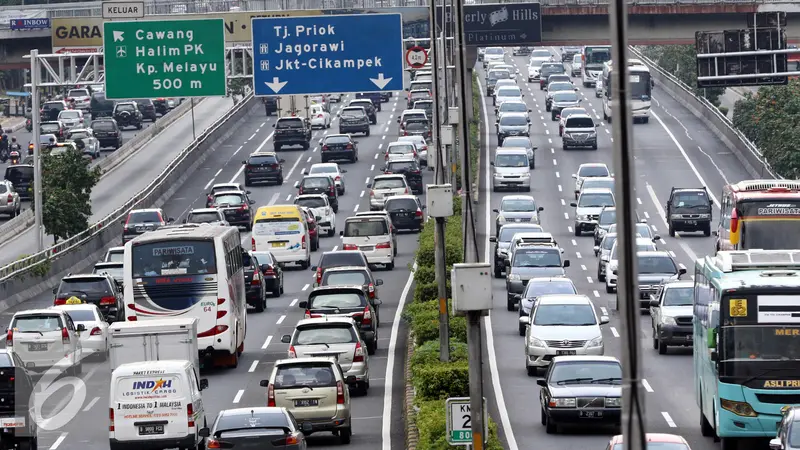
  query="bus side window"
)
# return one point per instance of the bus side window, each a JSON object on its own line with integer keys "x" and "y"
{"x": 725, "y": 214}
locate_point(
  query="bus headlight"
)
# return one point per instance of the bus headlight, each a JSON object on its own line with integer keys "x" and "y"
{"x": 739, "y": 408}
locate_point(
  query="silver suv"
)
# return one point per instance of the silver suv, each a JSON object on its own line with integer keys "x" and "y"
{"x": 579, "y": 131}
{"x": 531, "y": 261}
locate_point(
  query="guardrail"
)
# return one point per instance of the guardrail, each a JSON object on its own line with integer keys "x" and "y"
{"x": 107, "y": 164}
{"x": 82, "y": 248}
{"x": 746, "y": 152}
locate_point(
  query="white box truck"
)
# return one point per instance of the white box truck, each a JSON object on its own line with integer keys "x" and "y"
{"x": 154, "y": 340}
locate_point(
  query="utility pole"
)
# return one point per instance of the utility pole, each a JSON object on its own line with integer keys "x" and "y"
{"x": 37, "y": 151}
{"x": 627, "y": 286}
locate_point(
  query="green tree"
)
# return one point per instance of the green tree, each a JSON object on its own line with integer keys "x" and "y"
{"x": 67, "y": 183}
{"x": 681, "y": 61}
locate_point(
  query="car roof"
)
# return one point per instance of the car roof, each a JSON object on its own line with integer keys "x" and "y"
{"x": 102, "y": 264}
{"x": 414, "y": 111}
{"x": 658, "y": 253}
{"x": 389, "y": 175}
{"x": 654, "y": 437}
{"x": 402, "y": 159}
{"x": 597, "y": 191}
{"x": 79, "y": 276}
{"x": 580, "y": 115}
{"x": 420, "y": 90}
{"x": 204, "y": 210}
{"x": 510, "y": 151}
{"x": 335, "y": 135}
{"x": 82, "y": 306}
{"x": 516, "y": 197}
{"x": 31, "y": 312}
{"x": 382, "y": 213}
{"x": 229, "y": 193}
{"x": 346, "y": 268}
{"x": 116, "y": 249}
{"x": 510, "y": 102}
{"x": 593, "y": 165}
{"x": 78, "y": 130}
{"x": 255, "y": 154}
{"x": 551, "y": 280}
{"x": 324, "y": 320}
{"x": 335, "y": 165}
{"x": 402, "y": 197}
{"x": 338, "y": 287}
{"x": 146, "y": 210}
{"x": 397, "y": 143}
{"x": 678, "y": 284}
{"x": 515, "y": 114}
{"x": 587, "y": 358}
{"x": 594, "y": 179}
{"x": 318, "y": 175}
{"x": 298, "y": 361}
{"x": 564, "y": 299}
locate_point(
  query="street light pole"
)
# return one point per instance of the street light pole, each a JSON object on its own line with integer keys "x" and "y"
{"x": 37, "y": 160}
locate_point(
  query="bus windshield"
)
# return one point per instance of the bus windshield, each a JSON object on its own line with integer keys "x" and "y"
{"x": 760, "y": 342}
{"x": 596, "y": 56}
{"x": 640, "y": 85}
{"x": 769, "y": 224}
{"x": 173, "y": 258}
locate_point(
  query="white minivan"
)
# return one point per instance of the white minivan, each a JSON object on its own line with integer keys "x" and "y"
{"x": 373, "y": 236}
{"x": 156, "y": 405}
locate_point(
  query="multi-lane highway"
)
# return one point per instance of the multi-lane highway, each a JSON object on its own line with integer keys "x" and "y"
{"x": 240, "y": 387}
{"x": 141, "y": 168}
{"x": 673, "y": 149}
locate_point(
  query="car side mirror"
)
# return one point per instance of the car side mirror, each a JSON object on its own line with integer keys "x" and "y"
{"x": 122, "y": 222}
{"x": 170, "y": 220}
{"x": 297, "y": 185}
{"x": 407, "y": 89}
{"x": 307, "y": 427}
{"x": 55, "y": 290}
{"x": 263, "y": 383}
{"x": 492, "y": 239}
{"x": 369, "y": 185}
{"x": 185, "y": 221}
{"x": 682, "y": 271}
{"x": 654, "y": 302}
{"x": 244, "y": 162}
{"x": 203, "y": 384}
{"x": 596, "y": 249}
{"x": 398, "y": 120}
{"x": 496, "y": 211}
{"x": 566, "y": 263}
{"x": 597, "y": 125}
{"x": 775, "y": 444}
{"x": 303, "y": 305}
{"x": 541, "y": 382}
{"x": 286, "y": 338}
{"x": 573, "y": 204}
{"x": 491, "y": 164}
{"x": 252, "y": 202}
{"x": 80, "y": 327}
{"x": 273, "y": 125}
{"x": 204, "y": 432}
{"x": 575, "y": 176}
{"x": 524, "y": 320}
{"x": 541, "y": 208}
{"x": 378, "y": 282}
{"x": 603, "y": 320}
{"x": 715, "y": 233}
{"x": 313, "y": 268}
{"x": 656, "y": 238}
{"x": 341, "y": 233}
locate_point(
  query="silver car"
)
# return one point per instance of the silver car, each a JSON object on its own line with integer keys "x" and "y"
{"x": 588, "y": 207}
{"x": 538, "y": 287}
{"x": 85, "y": 141}
{"x": 10, "y": 202}
{"x": 531, "y": 261}
{"x": 517, "y": 209}
{"x": 511, "y": 170}
{"x": 507, "y": 93}
{"x": 332, "y": 336}
{"x": 555, "y": 87}
{"x": 588, "y": 170}
{"x": 521, "y": 142}
{"x": 579, "y": 131}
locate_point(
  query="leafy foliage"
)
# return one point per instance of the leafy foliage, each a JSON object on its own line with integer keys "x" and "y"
{"x": 37, "y": 270}
{"x": 680, "y": 61}
{"x": 432, "y": 428}
{"x": 67, "y": 183}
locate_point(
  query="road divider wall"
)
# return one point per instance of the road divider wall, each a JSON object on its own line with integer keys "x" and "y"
{"x": 38, "y": 273}
{"x": 107, "y": 164}
{"x": 746, "y": 152}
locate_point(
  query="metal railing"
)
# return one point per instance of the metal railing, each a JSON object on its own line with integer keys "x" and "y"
{"x": 23, "y": 265}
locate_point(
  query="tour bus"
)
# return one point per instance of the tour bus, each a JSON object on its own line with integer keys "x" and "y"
{"x": 191, "y": 270}
{"x": 640, "y": 88}
{"x": 759, "y": 214}
{"x": 746, "y": 342}
{"x": 593, "y": 57}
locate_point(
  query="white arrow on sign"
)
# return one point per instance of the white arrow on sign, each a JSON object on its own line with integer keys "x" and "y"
{"x": 380, "y": 81}
{"x": 118, "y": 36}
{"x": 523, "y": 36}
{"x": 276, "y": 84}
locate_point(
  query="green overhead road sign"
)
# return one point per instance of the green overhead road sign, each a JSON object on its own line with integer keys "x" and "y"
{"x": 170, "y": 58}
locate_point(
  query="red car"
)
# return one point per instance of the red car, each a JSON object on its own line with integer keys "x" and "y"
{"x": 313, "y": 229}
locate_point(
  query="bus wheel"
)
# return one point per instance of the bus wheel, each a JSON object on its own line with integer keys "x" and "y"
{"x": 706, "y": 429}
{"x": 729, "y": 444}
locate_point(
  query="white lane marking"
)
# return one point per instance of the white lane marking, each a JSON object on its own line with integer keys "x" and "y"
{"x": 638, "y": 200}
{"x": 654, "y": 228}
{"x": 217, "y": 174}
{"x": 274, "y": 198}
{"x": 258, "y": 149}
{"x": 669, "y": 420}
{"x": 367, "y": 182}
{"x": 663, "y": 215}
{"x": 614, "y": 332}
{"x": 238, "y": 396}
{"x": 376, "y": 156}
{"x": 361, "y": 195}
{"x": 563, "y": 203}
{"x": 574, "y": 242}
{"x": 59, "y": 441}
{"x": 558, "y": 175}
{"x": 596, "y": 294}
{"x": 583, "y": 267}
{"x": 559, "y": 190}
{"x": 253, "y": 367}
{"x": 308, "y": 160}
{"x": 505, "y": 421}
{"x": 578, "y": 254}
{"x": 288, "y": 197}
{"x": 589, "y": 280}
{"x": 251, "y": 137}
{"x": 289, "y": 174}
{"x": 294, "y": 300}
{"x": 91, "y": 403}
{"x": 647, "y": 386}
{"x": 205, "y": 188}
{"x": 569, "y": 229}
{"x": 721, "y": 174}
{"x": 555, "y": 163}
{"x": 281, "y": 319}
{"x": 266, "y": 343}
{"x": 603, "y": 310}
{"x": 356, "y": 208}
{"x": 371, "y": 168}
{"x": 305, "y": 288}
{"x": 566, "y": 216}
{"x": 646, "y": 215}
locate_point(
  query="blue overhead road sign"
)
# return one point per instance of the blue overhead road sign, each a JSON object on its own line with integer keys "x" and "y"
{"x": 327, "y": 54}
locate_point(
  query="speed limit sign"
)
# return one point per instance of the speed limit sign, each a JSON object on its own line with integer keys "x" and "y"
{"x": 416, "y": 57}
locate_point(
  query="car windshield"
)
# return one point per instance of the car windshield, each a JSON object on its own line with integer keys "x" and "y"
{"x": 228, "y": 199}
{"x": 327, "y": 334}
{"x": 507, "y": 233}
{"x": 344, "y": 278}
{"x": 517, "y": 141}
{"x": 362, "y": 103}
{"x": 203, "y": 217}
{"x": 290, "y": 123}
{"x": 608, "y": 242}
{"x": 103, "y": 125}
{"x": 401, "y": 204}
{"x": 518, "y": 205}
{"x": 401, "y": 166}
{"x": 89, "y": 286}
{"x": 499, "y": 75}
{"x": 336, "y": 300}
{"x": 39, "y": 322}
{"x": 509, "y": 92}
{"x": 400, "y": 149}
{"x": 69, "y": 114}
{"x": 593, "y": 171}
{"x": 115, "y": 256}
{"x": 174, "y": 257}
{"x": 511, "y": 161}
{"x": 580, "y": 122}
{"x": 311, "y": 202}
{"x": 560, "y": 86}
{"x": 679, "y": 296}
{"x": 513, "y": 107}
{"x": 514, "y": 121}
{"x": 49, "y": 127}
{"x": 596, "y": 200}
{"x": 537, "y": 289}
{"x": 353, "y": 113}
{"x": 659, "y": 446}
{"x": 564, "y": 315}
{"x": 565, "y": 97}
{"x": 540, "y": 54}
{"x": 125, "y": 107}
{"x": 657, "y": 264}
{"x": 586, "y": 372}
{"x": 304, "y": 375}
{"x": 82, "y": 315}
{"x": 538, "y": 257}
{"x": 389, "y": 183}
{"x": 691, "y": 200}
{"x": 337, "y": 140}
{"x": 365, "y": 227}
{"x": 323, "y": 169}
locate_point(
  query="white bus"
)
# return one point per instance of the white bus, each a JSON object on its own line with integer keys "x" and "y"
{"x": 640, "y": 87}
{"x": 191, "y": 270}
{"x": 593, "y": 57}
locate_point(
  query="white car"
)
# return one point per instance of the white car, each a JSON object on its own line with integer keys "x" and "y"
{"x": 588, "y": 207}
{"x": 114, "y": 254}
{"x": 643, "y": 244}
{"x": 511, "y": 106}
{"x": 507, "y": 93}
{"x": 45, "y": 338}
{"x": 373, "y": 236}
{"x": 321, "y": 208}
{"x": 588, "y": 170}
{"x": 335, "y": 98}
{"x": 80, "y": 98}
{"x": 421, "y": 145}
{"x": 537, "y": 58}
{"x": 320, "y": 118}
{"x": 384, "y": 186}
{"x": 332, "y": 169}
{"x": 577, "y": 63}
{"x": 91, "y": 146}
{"x": 400, "y": 150}
{"x": 566, "y": 112}
{"x": 94, "y": 341}
{"x": 72, "y": 118}
{"x": 211, "y": 216}
{"x": 493, "y": 54}
{"x": 561, "y": 324}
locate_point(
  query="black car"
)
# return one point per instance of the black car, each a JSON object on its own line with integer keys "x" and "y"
{"x": 236, "y": 207}
{"x": 255, "y": 290}
{"x": 350, "y": 258}
{"x": 141, "y": 221}
{"x": 406, "y": 212}
{"x": 271, "y": 272}
{"x": 348, "y": 276}
{"x": 259, "y": 427}
{"x": 408, "y": 167}
{"x": 538, "y": 287}
{"x": 353, "y": 119}
{"x": 549, "y": 68}
{"x": 100, "y": 105}
{"x": 21, "y": 177}
{"x": 270, "y": 105}
{"x": 606, "y": 218}
{"x": 320, "y": 184}
{"x": 127, "y": 114}
{"x": 369, "y": 107}
{"x": 16, "y": 395}
{"x": 147, "y": 108}
{"x": 107, "y": 133}
{"x": 292, "y": 131}
{"x": 162, "y": 106}
{"x": 349, "y": 301}
{"x": 98, "y": 289}
{"x": 376, "y": 97}
{"x": 689, "y": 209}
{"x": 263, "y": 167}
{"x": 338, "y": 146}
{"x": 417, "y": 128}
{"x": 54, "y": 127}
{"x": 50, "y": 110}
{"x": 581, "y": 391}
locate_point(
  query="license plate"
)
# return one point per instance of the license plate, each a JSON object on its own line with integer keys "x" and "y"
{"x": 565, "y": 352}
{"x": 691, "y": 222}
{"x": 39, "y": 347}
{"x": 367, "y": 248}
{"x": 590, "y": 414}
{"x": 306, "y": 402}
{"x": 278, "y": 244}
{"x": 148, "y": 430}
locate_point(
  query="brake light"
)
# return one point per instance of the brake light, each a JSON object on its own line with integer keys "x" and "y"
{"x": 256, "y": 279}
{"x": 418, "y": 213}
{"x": 213, "y": 443}
{"x": 292, "y": 352}
{"x": 319, "y": 116}
{"x": 339, "y": 393}
{"x": 96, "y": 332}
{"x": 383, "y": 245}
{"x": 291, "y": 440}
{"x": 319, "y": 274}
{"x": 10, "y": 198}
{"x": 220, "y": 301}
{"x": 248, "y": 167}
{"x": 270, "y": 271}
{"x": 366, "y": 319}
{"x": 243, "y": 208}
{"x": 110, "y": 419}
{"x": 270, "y": 396}
{"x": 350, "y": 247}
{"x": 108, "y": 301}
{"x": 190, "y": 414}
{"x": 358, "y": 355}
{"x": 301, "y": 190}
{"x": 132, "y": 318}
{"x": 372, "y": 193}
{"x": 128, "y": 219}
{"x": 304, "y": 242}
{"x": 371, "y": 290}
{"x": 349, "y": 146}
{"x": 338, "y": 178}
{"x": 276, "y": 166}
{"x": 253, "y": 243}
{"x": 734, "y": 221}
{"x": 219, "y": 329}
{"x": 10, "y": 338}
{"x": 325, "y": 148}
{"x": 406, "y": 190}
{"x": 405, "y": 133}
{"x": 60, "y": 301}
{"x": 64, "y": 336}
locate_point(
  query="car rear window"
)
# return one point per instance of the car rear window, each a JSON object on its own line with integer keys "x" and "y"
{"x": 316, "y": 182}
{"x": 89, "y": 286}
{"x": 416, "y": 126}
{"x": 3, "y": 188}
{"x": 49, "y": 127}
{"x": 365, "y": 227}
{"x": 311, "y": 202}
{"x": 19, "y": 173}
{"x": 36, "y": 323}
{"x": 290, "y": 123}
{"x": 125, "y": 107}
{"x": 389, "y": 183}
{"x": 401, "y": 166}
{"x": 53, "y": 105}
{"x": 326, "y": 334}
{"x": 337, "y": 140}
{"x": 337, "y": 300}
{"x": 144, "y": 217}
{"x": 401, "y": 149}
{"x": 115, "y": 256}
{"x": 203, "y": 217}
{"x": 263, "y": 160}
{"x": 343, "y": 258}
{"x": 237, "y": 423}
{"x": 81, "y": 315}
{"x": 103, "y": 125}
{"x": 401, "y": 204}
{"x": 537, "y": 289}
{"x": 593, "y": 171}
{"x": 344, "y": 278}
{"x": 228, "y": 199}
{"x": 263, "y": 257}
{"x": 300, "y": 375}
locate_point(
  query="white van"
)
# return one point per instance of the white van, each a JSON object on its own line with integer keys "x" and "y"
{"x": 156, "y": 405}
{"x": 371, "y": 235}
{"x": 282, "y": 230}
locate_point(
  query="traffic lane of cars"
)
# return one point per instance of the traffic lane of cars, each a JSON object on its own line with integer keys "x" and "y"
{"x": 131, "y": 176}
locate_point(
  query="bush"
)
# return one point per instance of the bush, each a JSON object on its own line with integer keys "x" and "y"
{"x": 681, "y": 62}
{"x": 428, "y": 353}
{"x": 439, "y": 380}
{"x": 432, "y": 428}
{"x": 724, "y": 110}
{"x": 425, "y": 326}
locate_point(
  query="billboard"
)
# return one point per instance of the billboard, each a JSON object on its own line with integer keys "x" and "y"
{"x": 30, "y": 24}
